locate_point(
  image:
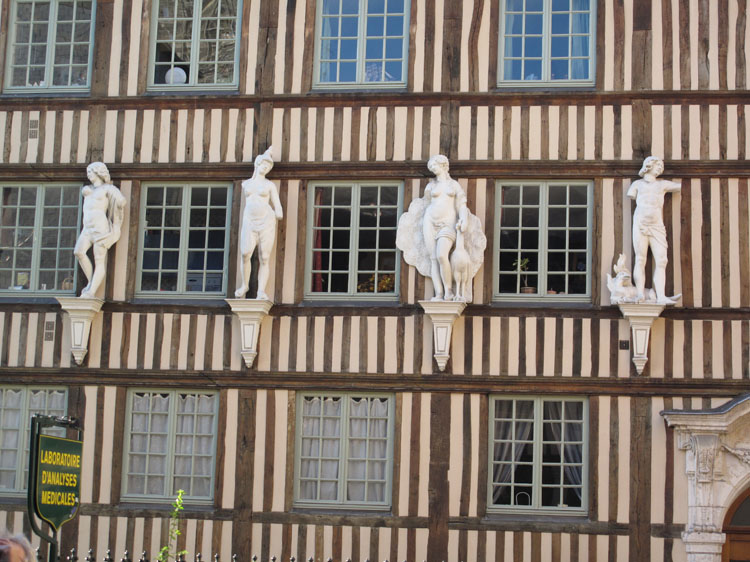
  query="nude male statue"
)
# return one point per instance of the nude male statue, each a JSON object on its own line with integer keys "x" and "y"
{"x": 103, "y": 212}
{"x": 648, "y": 227}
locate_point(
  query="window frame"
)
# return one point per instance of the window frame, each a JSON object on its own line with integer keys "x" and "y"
{"x": 360, "y": 83}
{"x": 195, "y": 40}
{"x": 168, "y": 497}
{"x": 546, "y": 81}
{"x": 21, "y": 468}
{"x": 49, "y": 54}
{"x": 353, "y": 243}
{"x": 36, "y": 248}
{"x": 542, "y": 273}
{"x": 184, "y": 241}
{"x": 342, "y": 504}
{"x": 537, "y": 461}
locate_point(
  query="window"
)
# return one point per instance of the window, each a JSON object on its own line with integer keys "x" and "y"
{"x": 184, "y": 239}
{"x": 170, "y": 445}
{"x": 538, "y": 455}
{"x": 195, "y": 43}
{"x": 17, "y": 405}
{"x": 546, "y": 42}
{"x": 38, "y": 230}
{"x": 362, "y": 42}
{"x": 50, "y": 45}
{"x": 344, "y": 451}
{"x": 543, "y": 240}
{"x": 352, "y": 240}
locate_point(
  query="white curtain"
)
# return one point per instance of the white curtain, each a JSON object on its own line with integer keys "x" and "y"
{"x": 506, "y": 449}
{"x": 321, "y": 442}
{"x": 149, "y": 424}
{"x": 368, "y": 449}
{"x": 569, "y": 446}
{"x": 194, "y": 444}
{"x": 10, "y": 426}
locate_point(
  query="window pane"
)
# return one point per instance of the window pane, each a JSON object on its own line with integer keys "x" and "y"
{"x": 375, "y": 208}
{"x": 179, "y": 237}
{"x": 530, "y": 470}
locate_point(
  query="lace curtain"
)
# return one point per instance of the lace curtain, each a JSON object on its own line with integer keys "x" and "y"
{"x": 14, "y": 427}
{"x": 150, "y": 459}
{"x": 321, "y": 468}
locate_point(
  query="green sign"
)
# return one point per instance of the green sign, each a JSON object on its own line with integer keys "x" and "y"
{"x": 58, "y": 479}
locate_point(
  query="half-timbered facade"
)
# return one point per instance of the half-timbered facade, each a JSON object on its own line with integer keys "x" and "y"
{"x": 528, "y": 100}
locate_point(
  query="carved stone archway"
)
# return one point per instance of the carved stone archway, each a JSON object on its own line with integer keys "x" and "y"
{"x": 717, "y": 463}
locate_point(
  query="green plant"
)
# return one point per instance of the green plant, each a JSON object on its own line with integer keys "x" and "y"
{"x": 166, "y": 554}
{"x": 522, "y": 265}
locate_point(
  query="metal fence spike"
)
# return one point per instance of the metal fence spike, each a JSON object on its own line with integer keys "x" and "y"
{"x": 39, "y": 554}
{"x": 144, "y": 557}
{"x": 72, "y": 557}
{"x": 292, "y": 559}
{"x": 198, "y": 557}
{"x": 234, "y": 557}
{"x": 216, "y": 557}
{"x": 273, "y": 559}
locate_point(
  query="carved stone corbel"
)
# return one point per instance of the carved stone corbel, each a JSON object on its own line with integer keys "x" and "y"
{"x": 250, "y": 313}
{"x": 81, "y": 311}
{"x": 442, "y": 314}
{"x": 641, "y": 317}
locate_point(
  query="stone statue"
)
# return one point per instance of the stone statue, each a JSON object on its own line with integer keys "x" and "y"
{"x": 433, "y": 226}
{"x": 262, "y": 209}
{"x": 103, "y": 212}
{"x": 648, "y": 227}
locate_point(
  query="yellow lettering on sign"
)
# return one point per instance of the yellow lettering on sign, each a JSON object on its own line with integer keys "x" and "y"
{"x": 61, "y": 459}
{"x": 58, "y": 498}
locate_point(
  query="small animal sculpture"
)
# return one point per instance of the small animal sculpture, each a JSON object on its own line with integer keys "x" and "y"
{"x": 460, "y": 265}
{"x": 621, "y": 286}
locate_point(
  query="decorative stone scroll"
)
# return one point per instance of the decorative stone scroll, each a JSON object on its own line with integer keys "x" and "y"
{"x": 715, "y": 479}
{"x": 445, "y": 242}
{"x": 641, "y": 306}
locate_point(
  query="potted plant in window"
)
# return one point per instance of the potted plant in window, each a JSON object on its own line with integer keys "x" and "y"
{"x": 522, "y": 266}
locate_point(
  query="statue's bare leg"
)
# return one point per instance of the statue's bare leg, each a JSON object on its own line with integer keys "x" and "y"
{"x": 82, "y": 246}
{"x": 100, "y": 267}
{"x": 437, "y": 283}
{"x": 660, "y": 273}
{"x": 246, "y": 266}
{"x": 264, "y": 255}
{"x": 640, "y": 249}
{"x": 247, "y": 254}
{"x": 430, "y": 243}
{"x": 442, "y": 250}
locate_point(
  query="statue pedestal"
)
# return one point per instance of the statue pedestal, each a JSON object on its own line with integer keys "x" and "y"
{"x": 641, "y": 317}
{"x": 442, "y": 314}
{"x": 251, "y": 313}
{"x": 81, "y": 311}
